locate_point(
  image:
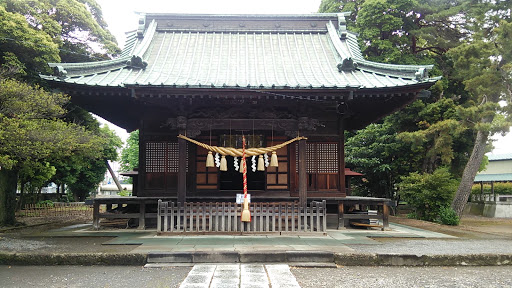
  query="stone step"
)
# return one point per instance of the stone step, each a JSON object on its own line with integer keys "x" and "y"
{"x": 292, "y": 257}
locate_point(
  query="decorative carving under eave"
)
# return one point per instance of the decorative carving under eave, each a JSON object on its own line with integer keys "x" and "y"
{"x": 181, "y": 123}
{"x": 309, "y": 124}
{"x": 291, "y": 133}
{"x": 347, "y": 64}
{"x": 170, "y": 123}
{"x": 136, "y": 62}
{"x": 193, "y": 133}
{"x": 237, "y": 113}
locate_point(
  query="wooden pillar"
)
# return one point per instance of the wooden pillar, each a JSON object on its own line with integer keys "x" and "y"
{"x": 142, "y": 162}
{"x": 182, "y": 169}
{"x": 341, "y": 157}
{"x": 142, "y": 215}
{"x": 96, "y": 214}
{"x": 303, "y": 181}
{"x": 385, "y": 216}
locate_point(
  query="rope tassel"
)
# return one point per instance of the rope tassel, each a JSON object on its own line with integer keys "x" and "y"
{"x": 273, "y": 160}
{"x": 223, "y": 163}
{"x": 209, "y": 160}
{"x": 261, "y": 163}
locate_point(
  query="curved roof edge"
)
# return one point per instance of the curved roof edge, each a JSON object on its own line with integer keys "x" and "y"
{"x": 418, "y": 72}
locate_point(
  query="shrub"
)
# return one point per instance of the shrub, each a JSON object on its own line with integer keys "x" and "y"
{"x": 448, "y": 216}
{"x": 499, "y": 188}
{"x": 428, "y": 193}
{"x": 48, "y": 203}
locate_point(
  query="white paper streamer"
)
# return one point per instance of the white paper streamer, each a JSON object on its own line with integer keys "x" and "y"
{"x": 253, "y": 166}
{"x": 266, "y": 160}
{"x": 235, "y": 163}
{"x": 217, "y": 160}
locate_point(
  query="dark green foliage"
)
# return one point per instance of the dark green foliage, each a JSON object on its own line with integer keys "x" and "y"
{"x": 448, "y": 216}
{"x": 428, "y": 193}
{"x": 130, "y": 154}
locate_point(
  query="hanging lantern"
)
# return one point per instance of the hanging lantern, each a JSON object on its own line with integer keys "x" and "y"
{"x": 209, "y": 160}
{"x": 273, "y": 160}
{"x": 223, "y": 164}
{"x": 261, "y": 163}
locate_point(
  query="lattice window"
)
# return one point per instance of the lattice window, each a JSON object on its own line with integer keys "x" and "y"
{"x": 172, "y": 157}
{"x": 156, "y": 153}
{"x": 327, "y": 157}
{"x": 321, "y": 165}
{"x": 320, "y": 158}
{"x": 163, "y": 157}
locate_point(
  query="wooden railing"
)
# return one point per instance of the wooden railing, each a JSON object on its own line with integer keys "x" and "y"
{"x": 57, "y": 209}
{"x": 225, "y": 217}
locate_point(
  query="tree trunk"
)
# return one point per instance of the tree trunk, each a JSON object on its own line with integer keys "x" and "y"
{"x": 21, "y": 200}
{"x": 8, "y": 183}
{"x": 468, "y": 176}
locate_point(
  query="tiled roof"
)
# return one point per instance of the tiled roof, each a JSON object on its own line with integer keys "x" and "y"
{"x": 179, "y": 54}
{"x": 493, "y": 177}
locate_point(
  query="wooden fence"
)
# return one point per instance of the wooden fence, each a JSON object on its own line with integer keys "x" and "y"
{"x": 226, "y": 217}
{"x": 57, "y": 209}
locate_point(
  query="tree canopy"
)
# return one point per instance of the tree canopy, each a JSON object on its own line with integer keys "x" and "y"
{"x": 40, "y": 139}
{"x": 466, "y": 40}
{"x": 35, "y": 32}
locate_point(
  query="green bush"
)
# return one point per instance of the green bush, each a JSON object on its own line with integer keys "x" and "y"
{"x": 428, "y": 193}
{"x": 48, "y": 203}
{"x": 448, "y": 216}
{"x": 499, "y": 188}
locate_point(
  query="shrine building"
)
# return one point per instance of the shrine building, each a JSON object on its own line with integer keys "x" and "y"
{"x": 218, "y": 80}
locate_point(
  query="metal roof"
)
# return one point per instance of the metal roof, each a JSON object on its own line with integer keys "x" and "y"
{"x": 493, "y": 177}
{"x": 498, "y": 157}
{"x": 242, "y": 51}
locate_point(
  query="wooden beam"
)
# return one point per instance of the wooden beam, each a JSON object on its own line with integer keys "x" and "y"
{"x": 182, "y": 169}
{"x": 303, "y": 183}
{"x": 341, "y": 156}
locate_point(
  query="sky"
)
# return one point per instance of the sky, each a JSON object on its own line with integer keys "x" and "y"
{"x": 121, "y": 17}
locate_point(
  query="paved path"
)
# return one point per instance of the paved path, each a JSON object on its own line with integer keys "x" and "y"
{"x": 240, "y": 276}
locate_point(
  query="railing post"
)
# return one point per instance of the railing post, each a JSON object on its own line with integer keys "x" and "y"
{"x": 159, "y": 216}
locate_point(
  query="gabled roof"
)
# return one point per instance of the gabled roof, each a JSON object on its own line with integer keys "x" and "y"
{"x": 242, "y": 51}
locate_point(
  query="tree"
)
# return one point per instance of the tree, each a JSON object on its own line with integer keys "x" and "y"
{"x": 77, "y": 26}
{"x": 82, "y": 171}
{"x": 484, "y": 65}
{"x": 467, "y": 41}
{"x": 89, "y": 177}
{"x": 24, "y": 50}
{"x": 130, "y": 154}
{"x": 375, "y": 152}
{"x": 30, "y": 132}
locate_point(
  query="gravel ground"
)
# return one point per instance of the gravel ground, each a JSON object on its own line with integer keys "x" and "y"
{"x": 91, "y": 276}
{"x": 12, "y": 244}
{"x": 398, "y": 277}
{"x": 437, "y": 247}
{"x": 353, "y": 277}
